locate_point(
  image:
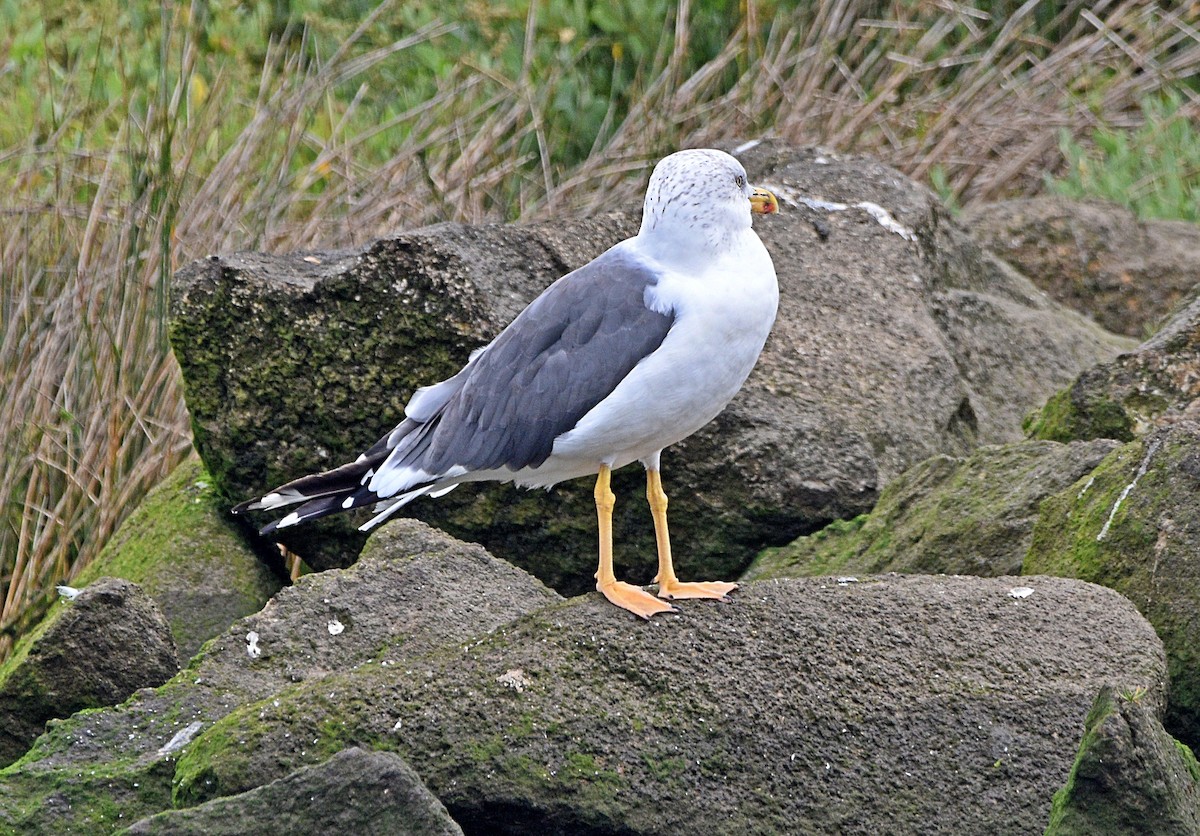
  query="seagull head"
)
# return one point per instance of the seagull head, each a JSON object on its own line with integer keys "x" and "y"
{"x": 701, "y": 198}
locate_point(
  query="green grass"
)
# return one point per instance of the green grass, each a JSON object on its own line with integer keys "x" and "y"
{"x": 1153, "y": 168}
{"x": 140, "y": 136}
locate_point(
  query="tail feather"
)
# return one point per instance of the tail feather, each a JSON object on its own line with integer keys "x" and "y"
{"x": 348, "y": 486}
{"x": 389, "y": 507}
{"x": 336, "y": 482}
{"x": 324, "y": 506}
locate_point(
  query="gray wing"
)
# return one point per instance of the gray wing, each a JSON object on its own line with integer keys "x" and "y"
{"x": 559, "y": 358}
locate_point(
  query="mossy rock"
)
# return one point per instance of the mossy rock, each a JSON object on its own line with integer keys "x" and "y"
{"x": 799, "y": 706}
{"x": 185, "y": 550}
{"x": 1079, "y": 413}
{"x": 353, "y": 792}
{"x": 1133, "y": 525}
{"x": 93, "y": 650}
{"x": 1130, "y": 777}
{"x": 1130, "y": 395}
{"x": 968, "y": 516}
{"x": 413, "y": 591}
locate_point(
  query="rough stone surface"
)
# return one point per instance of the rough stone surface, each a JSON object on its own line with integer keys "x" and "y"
{"x": 898, "y": 338}
{"x": 1130, "y": 777}
{"x": 962, "y": 516}
{"x": 413, "y": 591}
{"x": 1155, "y": 384}
{"x": 182, "y": 547}
{"x": 1095, "y": 257}
{"x": 92, "y": 651}
{"x": 354, "y": 792}
{"x": 900, "y": 704}
{"x": 1133, "y": 525}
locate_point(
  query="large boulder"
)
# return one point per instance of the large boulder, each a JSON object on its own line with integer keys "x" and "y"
{"x": 181, "y": 547}
{"x": 899, "y": 704}
{"x": 1130, "y": 777}
{"x": 898, "y": 338}
{"x": 352, "y": 792}
{"x": 1155, "y": 384}
{"x": 1133, "y": 524}
{"x": 413, "y": 591}
{"x": 1095, "y": 257}
{"x": 970, "y": 515}
{"x": 91, "y": 650}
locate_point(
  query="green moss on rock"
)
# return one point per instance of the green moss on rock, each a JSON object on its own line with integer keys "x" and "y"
{"x": 1130, "y": 526}
{"x": 183, "y": 548}
{"x": 1073, "y": 415}
{"x": 1129, "y": 776}
{"x": 971, "y": 515}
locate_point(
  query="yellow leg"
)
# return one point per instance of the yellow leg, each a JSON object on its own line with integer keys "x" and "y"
{"x": 670, "y": 586}
{"x": 638, "y": 601}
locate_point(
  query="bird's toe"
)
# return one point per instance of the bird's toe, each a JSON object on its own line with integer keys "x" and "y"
{"x": 635, "y": 599}
{"x": 699, "y": 589}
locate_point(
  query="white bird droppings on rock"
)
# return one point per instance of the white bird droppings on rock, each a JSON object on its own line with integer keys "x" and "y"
{"x": 336, "y": 627}
{"x": 882, "y": 216}
{"x": 1141, "y": 471}
{"x": 1020, "y": 592}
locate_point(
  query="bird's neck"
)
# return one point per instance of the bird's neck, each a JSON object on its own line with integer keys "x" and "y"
{"x": 686, "y": 244}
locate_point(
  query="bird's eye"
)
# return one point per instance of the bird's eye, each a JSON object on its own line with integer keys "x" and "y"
{"x": 741, "y": 181}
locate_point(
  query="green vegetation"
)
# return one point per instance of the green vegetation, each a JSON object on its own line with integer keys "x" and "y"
{"x": 140, "y": 136}
{"x": 1153, "y": 168}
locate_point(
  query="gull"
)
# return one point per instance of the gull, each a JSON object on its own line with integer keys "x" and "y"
{"x": 612, "y": 363}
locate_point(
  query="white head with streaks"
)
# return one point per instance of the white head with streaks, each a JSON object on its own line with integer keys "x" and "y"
{"x": 697, "y": 199}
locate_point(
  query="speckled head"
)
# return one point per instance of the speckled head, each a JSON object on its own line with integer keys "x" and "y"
{"x": 701, "y": 193}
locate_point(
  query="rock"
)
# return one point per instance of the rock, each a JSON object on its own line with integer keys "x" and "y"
{"x": 1094, "y": 257}
{"x": 352, "y": 792}
{"x": 1132, "y": 525}
{"x": 296, "y": 363}
{"x": 1155, "y": 384}
{"x": 413, "y": 591}
{"x": 88, "y": 652}
{"x": 182, "y": 547}
{"x": 900, "y": 704}
{"x": 1130, "y": 776}
{"x": 960, "y": 516}
{"x": 898, "y": 339}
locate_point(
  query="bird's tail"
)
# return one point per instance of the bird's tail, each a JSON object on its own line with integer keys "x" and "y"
{"x": 347, "y": 487}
